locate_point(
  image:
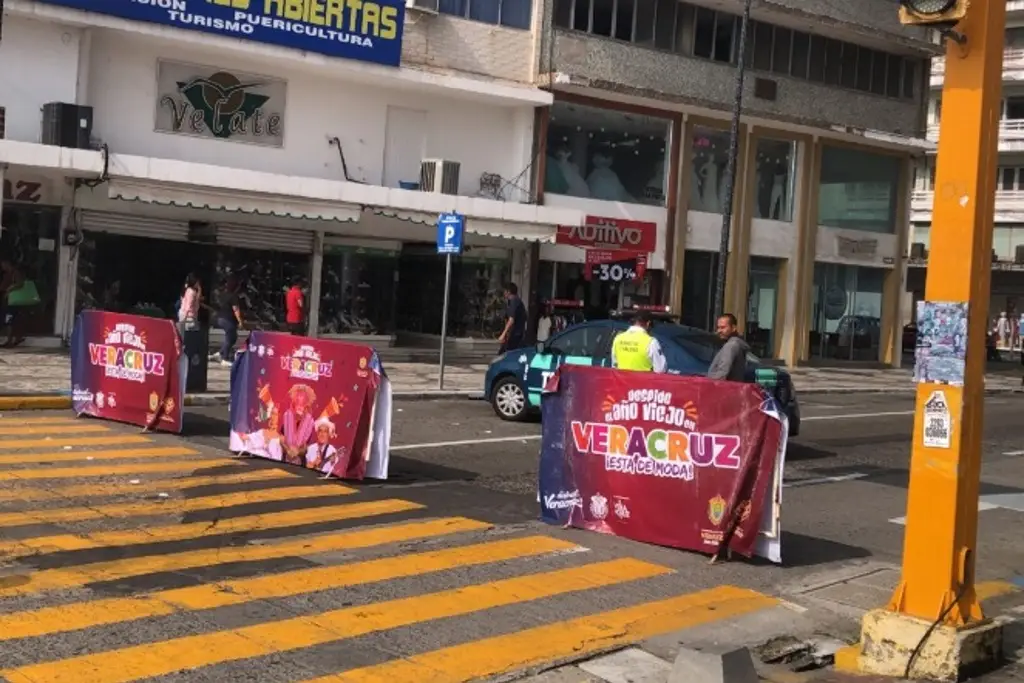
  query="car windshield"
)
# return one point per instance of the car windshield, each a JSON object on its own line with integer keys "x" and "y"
{"x": 703, "y": 345}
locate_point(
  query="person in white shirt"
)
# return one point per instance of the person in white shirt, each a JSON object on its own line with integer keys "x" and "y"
{"x": 636, "y": 349}
{"x": 544, "y": 324}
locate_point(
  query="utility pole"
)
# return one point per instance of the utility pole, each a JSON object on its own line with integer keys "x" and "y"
{"x": 934, "y": 621}
{"x": 730, "y": 166}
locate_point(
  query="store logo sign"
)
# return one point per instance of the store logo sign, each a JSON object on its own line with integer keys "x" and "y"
{"x": 856, "y": 249}
{"x": 610, "y": 233}
{"x": 24, "y": 189}
{"x": 212, "y": 103}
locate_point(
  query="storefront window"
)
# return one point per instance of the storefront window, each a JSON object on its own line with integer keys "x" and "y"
{"x": 567, "y": 281}
{"x": 846, "y": 317}
{"x": 710, "y": 155}
{"x": 762, "y": 305}
{"x": 607, "y": 154}
{"x": 29, "y": 242}
{"x": 477, "y": 301}
{"x": 858, "y": 190}
{"x": 357, "y": 291}
{"x": 776, "y": 166}
{"x": 699, "y": 272}
{"x": 1007, "y": 240}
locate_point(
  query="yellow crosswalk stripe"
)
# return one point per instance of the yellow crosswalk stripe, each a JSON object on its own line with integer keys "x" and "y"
{"x": 105, "y": 470}
{"x": 25, "y": 430}
{"x": 38, "y": 420}
{"x": 113, "y": 440}
{"x": 110, "y": 454}
{"x": 50, "y": 620}
{"x": 560, "y": 640}
{"x": 112, "y": 570}
{"x": 190, "y": 652}
{"x": 183, "y": 532}
{"x": 171, "y": 506}
{"x": 34, "y": 494}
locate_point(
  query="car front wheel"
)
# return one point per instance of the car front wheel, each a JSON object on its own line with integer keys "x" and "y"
{"x": 509, "y": 400}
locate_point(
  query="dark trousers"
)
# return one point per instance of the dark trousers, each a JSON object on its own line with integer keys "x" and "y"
{"x": 512, "y": 344}
{"x": 298, "y": 329}
{"x": 227, "y": 347}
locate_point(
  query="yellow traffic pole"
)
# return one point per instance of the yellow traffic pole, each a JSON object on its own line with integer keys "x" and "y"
{"x": 942, "y": 503}
{"x": 933, "y": 626}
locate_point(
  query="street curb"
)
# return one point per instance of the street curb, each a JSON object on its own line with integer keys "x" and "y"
{"x": 912, "y": 389}
{"x": 63, "y": 402}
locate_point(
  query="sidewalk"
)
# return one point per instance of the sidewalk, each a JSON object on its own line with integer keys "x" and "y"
{"x": 26, "y": 372}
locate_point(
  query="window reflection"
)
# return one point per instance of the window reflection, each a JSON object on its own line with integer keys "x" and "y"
{"x": 775, "y": 180}
{"x": 357, "y": 287}
{"x": 607, "y": 154}
{"x": 710, "y": 155}
{"x": 847, "y": 312}
{"x": 858, "y": 190}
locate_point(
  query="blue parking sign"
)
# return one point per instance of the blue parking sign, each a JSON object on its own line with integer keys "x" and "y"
{"x": 450, "y": 227}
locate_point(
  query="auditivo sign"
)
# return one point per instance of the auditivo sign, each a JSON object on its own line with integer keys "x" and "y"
{"x": 216, "y": 103}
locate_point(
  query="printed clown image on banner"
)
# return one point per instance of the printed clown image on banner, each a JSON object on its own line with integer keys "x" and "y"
{"x": 128, "y": 368}
{"x": 311, "y": 403}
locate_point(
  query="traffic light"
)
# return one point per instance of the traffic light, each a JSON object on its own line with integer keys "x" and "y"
{"x": 935, "y": 13}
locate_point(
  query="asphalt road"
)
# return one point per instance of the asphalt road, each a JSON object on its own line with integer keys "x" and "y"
{"x": 119, "y": 562}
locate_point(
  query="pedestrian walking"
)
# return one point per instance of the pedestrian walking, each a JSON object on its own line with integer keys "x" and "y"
{"x": 636, "y": 349}
{"x": 730, "y": 363}
{"x": 513, "y": 336}
{"x": 229, "y": 319}
{"x": 188, "y": 305}
{"x": 295, "y": 307}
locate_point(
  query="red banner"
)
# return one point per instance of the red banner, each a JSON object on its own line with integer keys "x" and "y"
{"x": 684, "y": 462}
{"x": 128, "y": 368}
{"x": 610, "y": 233}
{"x": 615, "y": 265}
{"x": 320, "y": 404}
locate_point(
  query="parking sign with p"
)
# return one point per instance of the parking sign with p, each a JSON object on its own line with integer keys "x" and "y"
{"x": 450, "y": 227}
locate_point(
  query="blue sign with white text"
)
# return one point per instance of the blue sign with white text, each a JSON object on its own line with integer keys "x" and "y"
{"x": 367, "y": 31}
{"x": 450, "y": 227}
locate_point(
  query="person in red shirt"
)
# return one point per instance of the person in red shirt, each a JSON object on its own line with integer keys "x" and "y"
{"x": 295, "y": 308}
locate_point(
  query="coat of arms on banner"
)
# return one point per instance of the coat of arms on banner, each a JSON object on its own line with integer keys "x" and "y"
{"x": 716, "y": 510}
{"x": 598, "y": 506}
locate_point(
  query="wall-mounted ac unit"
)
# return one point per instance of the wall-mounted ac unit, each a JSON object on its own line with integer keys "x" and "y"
{"x": 67, "y": 125}
{"x": 439, "y": 175}
{"x": 918, "y": 251}
{"x": 423, "y": 6}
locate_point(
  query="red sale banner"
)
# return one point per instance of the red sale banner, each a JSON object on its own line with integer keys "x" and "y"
{"x": 685, "y": 462}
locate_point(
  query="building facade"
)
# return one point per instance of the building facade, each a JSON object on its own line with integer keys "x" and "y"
{"x": 590, "y": 137}
{"x": 833, "y": 117}
{"x": 1006, "y": 300}
{"x": 263, "y": 142}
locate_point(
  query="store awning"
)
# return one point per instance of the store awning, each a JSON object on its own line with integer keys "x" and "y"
{"x": 509, "y": 230}
{"x": 191, "y": 197}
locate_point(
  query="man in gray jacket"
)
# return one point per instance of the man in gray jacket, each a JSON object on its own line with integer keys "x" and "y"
{"x": 730, "y": 363}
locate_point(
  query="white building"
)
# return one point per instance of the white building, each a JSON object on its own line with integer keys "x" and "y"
{"x": 1008, "y": 232}
{"x": 225, "y": 137}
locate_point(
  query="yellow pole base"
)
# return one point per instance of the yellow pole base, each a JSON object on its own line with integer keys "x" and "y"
{"x": 889, "y": 639}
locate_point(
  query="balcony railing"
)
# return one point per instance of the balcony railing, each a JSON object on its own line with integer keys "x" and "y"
{"x": 1013, "y": 65}
{"x": 1011, "y": 135}
{"x": 1006, "y": 200}
{"x": 1015, "y": 5}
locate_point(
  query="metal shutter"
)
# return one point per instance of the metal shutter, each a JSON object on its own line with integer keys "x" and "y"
{"x": 139, "y": 226}
{"x": 269, "y": 239}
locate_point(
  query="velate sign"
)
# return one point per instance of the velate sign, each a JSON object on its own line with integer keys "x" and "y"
{"x": 319, "y": 404}
{"x": 214, "y": 103}
{"x": 685, "y": 462}
{"x": 128, "y": 368}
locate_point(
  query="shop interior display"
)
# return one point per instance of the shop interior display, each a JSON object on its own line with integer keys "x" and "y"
{"x": 603, "y": 182}
{"x": 357, "y": 292}
{"x": 772, "y": 195}
{"x": 563, "y": 175}
{"x": 264, "y": 279}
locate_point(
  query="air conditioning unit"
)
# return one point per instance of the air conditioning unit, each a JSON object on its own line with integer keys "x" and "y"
{"x": 423, "y": 6}
{"x": 67, "y": 125}
{"x": 439, "y": 175}
{"x": 918, "y": 251}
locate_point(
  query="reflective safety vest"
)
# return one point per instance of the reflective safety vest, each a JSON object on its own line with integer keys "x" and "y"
{"x": 630, "y": 350}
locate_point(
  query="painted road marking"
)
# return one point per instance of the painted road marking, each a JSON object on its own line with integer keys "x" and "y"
{"x": 25, "y": 430}
{"x": 304, "y": 517}
{"x": 32, "y": 494}
{"x": 111, "y": 454}
{"x": 823, "y": 480}
{"x": 982, "y": 506}
{"x": 191, "y": 652}
{"x": 467, "y": 442}
{"x": 38, "y": 420}
{"x": 560, "y": 640}
{"x": 113, "y": 440}
{"x": 856, "y": 416}
{"x": 171, "y": 506}
{"x": 105, "y": 470}
{"x": 50, "y": 620}
{"x": 1013, "y": 453}
{"x": 112, "y": 570}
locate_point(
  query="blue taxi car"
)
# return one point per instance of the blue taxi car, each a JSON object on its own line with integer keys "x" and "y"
{"x": 514, "y": 380}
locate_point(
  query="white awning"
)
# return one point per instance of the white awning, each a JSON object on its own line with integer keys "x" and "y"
{"x": 191, "y": 197}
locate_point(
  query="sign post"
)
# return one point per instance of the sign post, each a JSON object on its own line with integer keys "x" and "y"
{"x": 450, "y": 227}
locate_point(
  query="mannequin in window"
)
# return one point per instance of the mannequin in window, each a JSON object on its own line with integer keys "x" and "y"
{"x": 564, "y": 177}
{"x": 604, "y": 182}
{"x": 777, "y": 203}
{"x": 1003, "y": 330}
{"x": 654, "y": 192}
{"x": 710, "y": 200}
{"x": 696, "y": 186}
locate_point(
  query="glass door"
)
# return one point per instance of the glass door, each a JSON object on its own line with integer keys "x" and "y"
{"x": 762, "y": 305}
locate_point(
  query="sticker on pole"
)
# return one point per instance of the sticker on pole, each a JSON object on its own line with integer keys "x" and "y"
{"x": 938, "y": 424}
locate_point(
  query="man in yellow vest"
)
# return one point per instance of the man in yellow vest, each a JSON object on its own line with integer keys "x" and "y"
{"x": 636, "y": 349}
